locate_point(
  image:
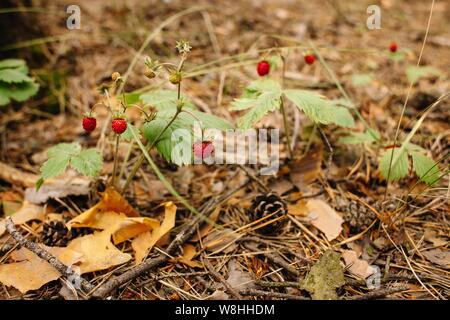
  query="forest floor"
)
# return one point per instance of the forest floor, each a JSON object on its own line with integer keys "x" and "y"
{"x": 397, "y": 233}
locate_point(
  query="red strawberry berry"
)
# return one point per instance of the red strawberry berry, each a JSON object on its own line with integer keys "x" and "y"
{"x": 203, "y": 149}
{"x": 310, "y": 58}
{"x": 263, "y": 68}
{"x": 393, "y": 47}
{"x": 119, "y": 125}
{"x": 89, "y": 124}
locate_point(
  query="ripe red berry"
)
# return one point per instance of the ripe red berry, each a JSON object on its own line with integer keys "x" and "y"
{"x": 263, "y": 68}
{"x": 203, "y": 149}
{"x": 119, "y": 125}
{"x": 310, "y": 58}
{"x": 393, "y": 47}
{"x": 89, "y": 124}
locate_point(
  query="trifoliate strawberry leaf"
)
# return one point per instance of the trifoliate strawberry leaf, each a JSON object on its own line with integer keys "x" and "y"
{"x": 399, "y": 165}
{"x": 164, "y": 99}
{"x": 425, "y": 168}
{"x": 88, "y": 162}
{"x": 13, "y": 76}
{"x": 170, "y": 144}
{"x": 319, "y": 109}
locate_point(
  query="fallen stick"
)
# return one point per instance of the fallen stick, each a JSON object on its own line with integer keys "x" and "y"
{"x": 66, "y": 271}
{"x": 380, "y": 293}
{"x": 255, "y": 292}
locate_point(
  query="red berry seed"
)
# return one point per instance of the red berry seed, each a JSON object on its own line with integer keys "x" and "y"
{"x": 119, "y": 125}
{"x": 263, "y": 68}
{"x": 393, "y": 47}
{"x": 309, "y": 59}
{"x": 89, "y": 124}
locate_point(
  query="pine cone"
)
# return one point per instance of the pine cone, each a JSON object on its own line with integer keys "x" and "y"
{"x": 55, "y": 234}
{"x": 268, "y": 205}
{"x": 357, "y": 215}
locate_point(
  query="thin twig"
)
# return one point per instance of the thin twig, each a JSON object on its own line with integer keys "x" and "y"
{"x": 380, "y": 293}
{"x": 221, "y": 279}
{"x": 255, "y": 292}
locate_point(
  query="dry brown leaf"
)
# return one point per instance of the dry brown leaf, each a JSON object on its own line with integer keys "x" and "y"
{"x": 98, "y": 252}
{"x": 356, "y": 266}
{"x": 111, "y": 201}
{"x": 131, "y": 227}
{"x": 189, "y": 253}
{"x": 439, "y": 257}
{"x": 32, "y": 272}
{"x": 144, "y": 242}
{"x": 27, "y": 212}
{"x": 307, "y": 169}
{"x": 223, "y": 239}
{"x": 298, "y": 209}
{"x": 324, "y": 218}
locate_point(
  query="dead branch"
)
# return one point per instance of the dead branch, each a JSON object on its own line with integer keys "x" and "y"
{"x": 220, "y": 278}
{"x": 380, "y": 293}
{"x": 254, "y": 292}
{"x": 66, "y": 271}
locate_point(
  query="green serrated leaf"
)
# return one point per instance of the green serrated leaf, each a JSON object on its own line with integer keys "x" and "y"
{"x": 360, "y": 80}
{"x": 399, "y": 168}
{"x": 12, "y": 63}
{"x": 164, "y": 99}
{"x": 414, "y": 73}
{"x": 263, "y": 104}
{"x": 64, "y": 149}
{"x": 19, "y": 91}
{"x": 55, "y": 166}
{"x": 88, "y": 162}
{"x": 132, "y": 98}
{"x": 425, "y": 168}
{"x": 319, "y": 109}
{"x": 13, "y": 76}
{"x": 182, "y": 127}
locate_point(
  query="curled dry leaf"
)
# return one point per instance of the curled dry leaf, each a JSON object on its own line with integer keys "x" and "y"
{"x": 324, "y": 218}
{"x": 30, "y": 272}
{"x": 26, "y": 213}
{"x": 189, "y": 253}
{"x": 439, "y": 257}
{"x": 356, "y": 266}
{"x": 144, "y": 242}
{"x": 98, "y": 252}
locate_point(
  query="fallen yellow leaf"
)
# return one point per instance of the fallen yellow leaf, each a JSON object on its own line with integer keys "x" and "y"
{"x": 26, "y": 213}
{"x": 98, "y": 252}
{"x": 189, "y": 253}
{"x": 144, "y": 242}
{"x": 31, "y": 272}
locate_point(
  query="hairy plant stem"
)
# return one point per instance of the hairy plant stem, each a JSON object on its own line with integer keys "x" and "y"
{"x": 283, "y": 111}
{"x": 116, "y": 154}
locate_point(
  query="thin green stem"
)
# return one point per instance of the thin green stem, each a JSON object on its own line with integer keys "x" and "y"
{"x": 116, "y": 154}
{"x": 148, "y": 147}
{"x": 334, "y": 78}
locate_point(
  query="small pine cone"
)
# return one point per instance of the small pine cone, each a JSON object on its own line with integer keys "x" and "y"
{"x": 357, "y": 215}
{"x": 268, "y": 205}
{"x": 55, "y": 234}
